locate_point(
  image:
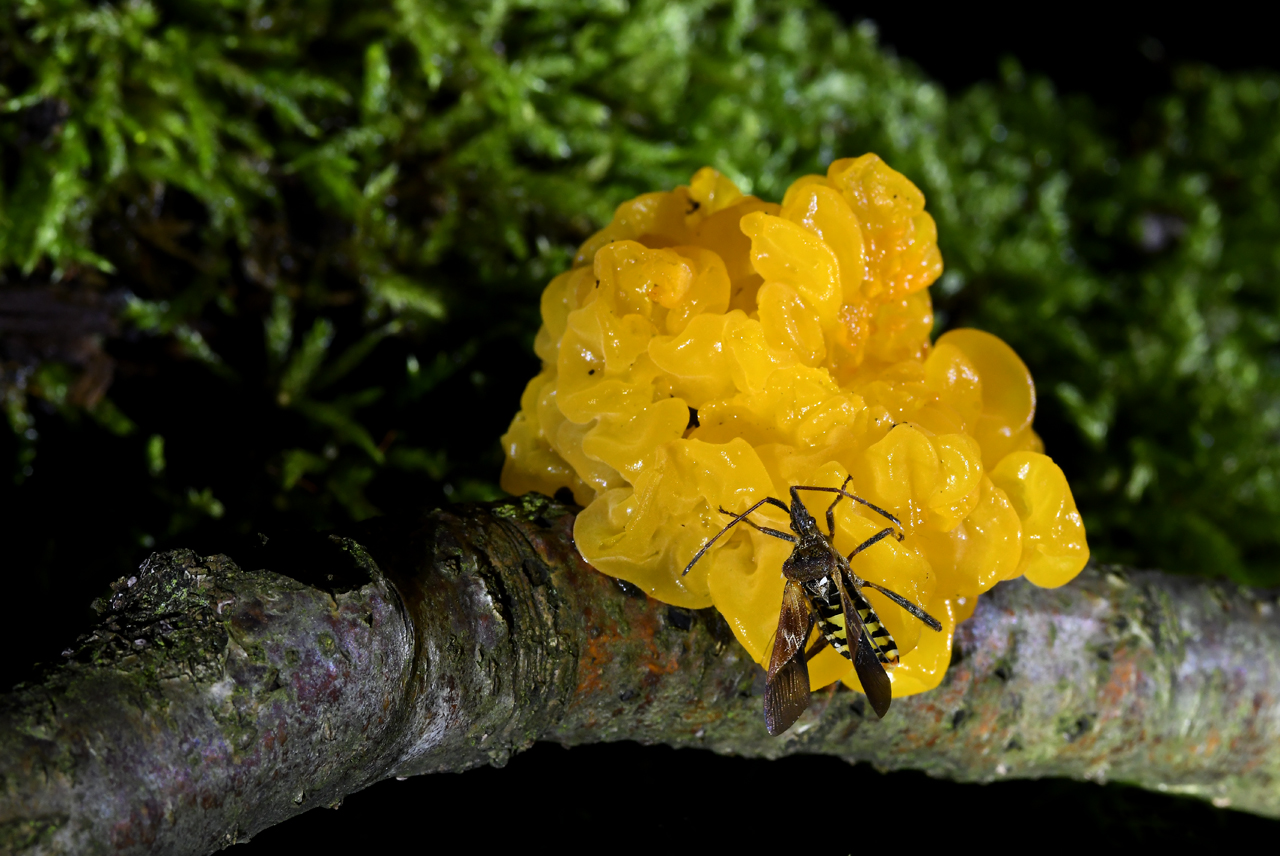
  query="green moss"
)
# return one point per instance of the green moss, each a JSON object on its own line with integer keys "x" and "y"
{"x": 18, "y": 836}
{"x": 348, "y": 208}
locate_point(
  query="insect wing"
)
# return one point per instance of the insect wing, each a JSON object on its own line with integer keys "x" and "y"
{"x": 786, "y": 689}
{"x": 874, "y": 679}
{"x": 886, "y": 649}
{"x": 786, "y": 695}
{"x": 794, "y": 624}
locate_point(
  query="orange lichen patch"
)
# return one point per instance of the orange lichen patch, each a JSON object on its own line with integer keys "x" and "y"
{"x": 606, "y": 634}
{"x": 710, "y": 349}
{"x": 1123, "y": 678}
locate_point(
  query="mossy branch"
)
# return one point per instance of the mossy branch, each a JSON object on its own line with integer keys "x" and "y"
{"x": 213, "y": 701}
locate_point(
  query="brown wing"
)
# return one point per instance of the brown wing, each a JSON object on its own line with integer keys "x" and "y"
{"x": 786, "y": 696}
{"x": 872, "y": 676}
{"x": 794, "y": 624}
{"x": 786, "y": 689}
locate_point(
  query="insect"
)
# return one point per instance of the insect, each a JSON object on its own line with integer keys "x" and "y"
{"x": 822, "y": 589}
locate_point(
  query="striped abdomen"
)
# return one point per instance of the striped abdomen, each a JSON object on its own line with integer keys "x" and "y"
{"x": 825, "y": 600}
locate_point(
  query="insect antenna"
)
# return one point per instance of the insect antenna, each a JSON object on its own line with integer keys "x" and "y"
{"x": 844, "y": 493}
{"x": 831, "y": 509}
{"x": 768, "y": 500}
{"x": 766, "y": 530}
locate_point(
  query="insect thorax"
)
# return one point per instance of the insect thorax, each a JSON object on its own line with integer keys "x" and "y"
{"x": 812, "y": 559}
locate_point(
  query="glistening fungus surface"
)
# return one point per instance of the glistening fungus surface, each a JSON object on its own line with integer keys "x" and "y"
{"x": 709, "y": 349}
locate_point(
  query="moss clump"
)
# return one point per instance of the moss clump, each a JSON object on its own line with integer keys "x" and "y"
{"x": 320, "y": 229}
{"x": 164, "y": 621}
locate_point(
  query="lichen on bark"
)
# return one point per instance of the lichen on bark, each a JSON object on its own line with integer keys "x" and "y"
{"x": 214, "y": 700}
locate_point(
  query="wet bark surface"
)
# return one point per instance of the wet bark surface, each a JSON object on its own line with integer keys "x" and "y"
{"x": 221, "y": 695}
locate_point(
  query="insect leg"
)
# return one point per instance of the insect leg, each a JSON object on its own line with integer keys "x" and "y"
{"x": 736, "y": 520}
{"x": 879, "y": 536}
{"x": 816, "y": 649}
{"x": 907, "y": 605}
{"x": 774, "y": 532}
{"x": 877, "y": 509}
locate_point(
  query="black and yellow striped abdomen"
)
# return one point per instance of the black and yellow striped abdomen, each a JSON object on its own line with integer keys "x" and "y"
{"x": 825, "y": 599}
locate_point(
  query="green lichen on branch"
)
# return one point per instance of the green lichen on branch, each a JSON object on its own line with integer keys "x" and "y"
{"x": 481, "y": 630}
{"x": 202, "y": 683}
{"x": 161, "y": 623}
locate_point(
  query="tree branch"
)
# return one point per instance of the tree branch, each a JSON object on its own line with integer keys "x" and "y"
{"x": 211, "y": 701}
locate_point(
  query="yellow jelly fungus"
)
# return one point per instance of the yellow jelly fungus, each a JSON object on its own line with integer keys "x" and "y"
{"x": 710, "y": 349}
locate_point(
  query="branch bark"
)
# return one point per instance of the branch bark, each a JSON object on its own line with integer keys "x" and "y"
{"x": 212, "y": 701}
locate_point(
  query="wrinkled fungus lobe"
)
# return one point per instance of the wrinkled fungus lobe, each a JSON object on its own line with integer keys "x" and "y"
{"x": 710, "y": 349}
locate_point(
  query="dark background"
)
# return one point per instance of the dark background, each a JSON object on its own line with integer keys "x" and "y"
{"x": 1118, "y": 57}
{"x": 606, "y": 796}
